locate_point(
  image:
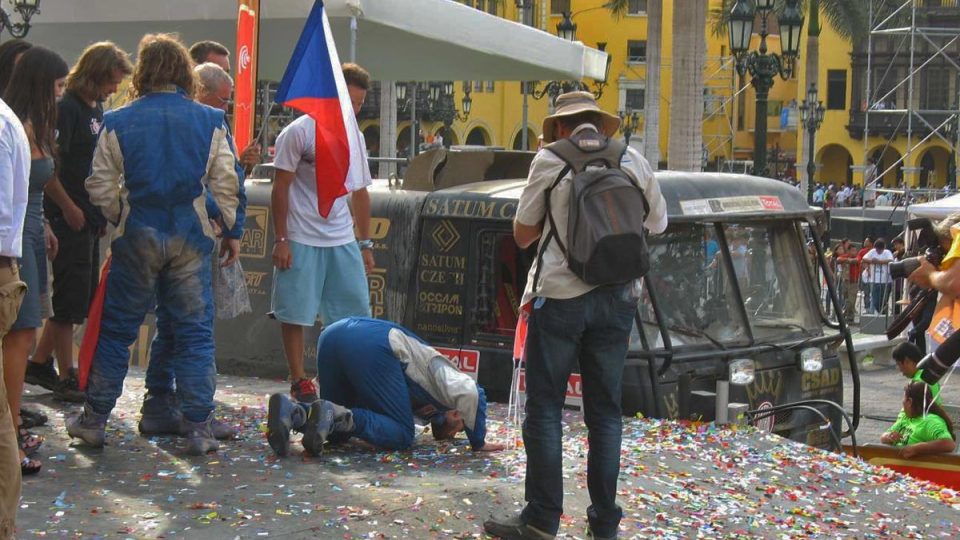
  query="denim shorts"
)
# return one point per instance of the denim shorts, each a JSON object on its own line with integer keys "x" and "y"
{"x": 328, "y": 283}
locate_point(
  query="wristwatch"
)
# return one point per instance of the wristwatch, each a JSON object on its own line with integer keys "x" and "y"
{"x": 365, "y": 244}
{"x": 280, "y": 240}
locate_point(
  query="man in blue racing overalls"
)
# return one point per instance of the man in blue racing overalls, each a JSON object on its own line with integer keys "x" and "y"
{"x": 155, "y": 160}
{"x": 377, "y": 376}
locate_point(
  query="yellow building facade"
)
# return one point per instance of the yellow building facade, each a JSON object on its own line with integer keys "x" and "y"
{"x": 729, "y": 100}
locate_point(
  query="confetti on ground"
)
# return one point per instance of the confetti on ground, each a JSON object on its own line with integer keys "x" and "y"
{"x": 677, "y": 481}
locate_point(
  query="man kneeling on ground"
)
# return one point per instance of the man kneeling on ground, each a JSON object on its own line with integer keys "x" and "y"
{"x": 377, "y": 376}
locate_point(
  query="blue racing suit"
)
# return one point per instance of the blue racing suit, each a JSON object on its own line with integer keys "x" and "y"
{"x": 160, "y": 369}
{"x": 155, "y": 160}
{"x": 383, "y": 373}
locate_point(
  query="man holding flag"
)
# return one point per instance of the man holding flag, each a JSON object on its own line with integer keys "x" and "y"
{"x": 320, "y": 157}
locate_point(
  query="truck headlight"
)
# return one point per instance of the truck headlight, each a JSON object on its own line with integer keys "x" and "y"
{"x": 811, "y": 359}
{"x": 742, "y": 371}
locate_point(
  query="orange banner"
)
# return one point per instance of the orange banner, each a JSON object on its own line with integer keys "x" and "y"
{"x": 245, "y": 91}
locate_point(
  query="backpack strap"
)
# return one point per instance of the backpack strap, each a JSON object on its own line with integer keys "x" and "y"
{"x": 553, "y": 226}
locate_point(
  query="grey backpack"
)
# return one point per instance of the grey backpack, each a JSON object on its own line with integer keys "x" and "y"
{"x": 606, "y": 240}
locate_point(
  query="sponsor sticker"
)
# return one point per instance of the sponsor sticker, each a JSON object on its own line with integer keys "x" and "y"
{"x": 722, "y": 205}
{"x": 466, "y": 360}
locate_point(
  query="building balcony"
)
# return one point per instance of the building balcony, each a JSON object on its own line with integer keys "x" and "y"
{"x": 894, "y": 124}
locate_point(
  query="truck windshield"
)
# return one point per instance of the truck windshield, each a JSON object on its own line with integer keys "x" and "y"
{"x": 769, "y": 259}
{"x": 698, "y": 301}
{"x": 696, "y": 298}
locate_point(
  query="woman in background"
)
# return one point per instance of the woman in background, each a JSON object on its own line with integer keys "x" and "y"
{"x": 35, "y": 85}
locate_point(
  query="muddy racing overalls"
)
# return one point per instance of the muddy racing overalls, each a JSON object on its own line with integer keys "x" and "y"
{"x": 154, "y": 162}
{"x": 386, "y": 375}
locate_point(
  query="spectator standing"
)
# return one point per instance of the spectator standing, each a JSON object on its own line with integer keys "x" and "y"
{"x": 318, "y": 262}
{"x": 37, "y": 82}
{"x": 210, "y": 51}
{"x": 10, "y": 53}
{"x": 572, "y": 322}
{"x": 76, "y": 222}
{"x": 216, "y": 90}
{"x": 160, "y": 413}
{"x": 877, "y": 262}
{"x": 849, "y": 269}
{"x": 14, "y": 184}
{"x": 861, "y": 270}
{"x": 167, "y": 151}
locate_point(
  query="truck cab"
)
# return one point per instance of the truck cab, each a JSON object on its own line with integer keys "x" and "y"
{"x": 732, "y": 289}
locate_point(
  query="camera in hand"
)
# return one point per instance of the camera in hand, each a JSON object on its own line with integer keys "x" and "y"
{"x": 936, "y": 364}
{"x": 925, "y": 244}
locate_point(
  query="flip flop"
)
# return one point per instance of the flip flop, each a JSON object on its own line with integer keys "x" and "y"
{"x": 30, "y": 466}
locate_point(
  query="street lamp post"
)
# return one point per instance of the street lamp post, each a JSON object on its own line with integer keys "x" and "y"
{"x": 26, "y": 9}
{"x": 567, "y": 29}
{"x": 629, "y": 122}
{"x": 441, "y": 102}
{"x": 811, "y": 116}
{"x": 761, "y": 65}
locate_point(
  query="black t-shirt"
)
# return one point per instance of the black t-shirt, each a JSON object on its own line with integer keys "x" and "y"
{"x": 78, "y": 126}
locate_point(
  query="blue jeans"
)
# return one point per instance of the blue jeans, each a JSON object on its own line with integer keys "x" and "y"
{"x": 878, "y": 296}
{"x": 150, "y": 267}
{"x": 591, "y": 330}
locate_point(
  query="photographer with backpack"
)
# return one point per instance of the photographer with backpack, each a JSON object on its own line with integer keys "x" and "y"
{"x": 590, "y": 201}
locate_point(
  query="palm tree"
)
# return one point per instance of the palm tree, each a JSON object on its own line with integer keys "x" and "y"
{"x": 651, "y": 100}
{"x": 847, "y": 18}
{"x": 685, "y": 143}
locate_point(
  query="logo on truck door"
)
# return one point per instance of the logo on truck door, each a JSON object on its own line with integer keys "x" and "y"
{"x": 445, "y": 236}
{"x": 254, "y": 241}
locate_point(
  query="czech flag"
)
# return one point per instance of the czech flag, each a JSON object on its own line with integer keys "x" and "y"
{"x": 314, "y": 84}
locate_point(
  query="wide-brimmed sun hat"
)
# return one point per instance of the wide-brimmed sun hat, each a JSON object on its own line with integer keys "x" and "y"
{"x": 573, "y": 103}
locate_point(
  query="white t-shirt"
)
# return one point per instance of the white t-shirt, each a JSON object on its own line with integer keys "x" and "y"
{"x": 14, "y": 177}
{"x": 296, "y": 153}
{"x": 878, "y": 273}
{"x": 556, "y": 278}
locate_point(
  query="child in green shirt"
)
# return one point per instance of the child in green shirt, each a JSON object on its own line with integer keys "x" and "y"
{"x": 907, "y": 356}
{"x": 918, "y": 432}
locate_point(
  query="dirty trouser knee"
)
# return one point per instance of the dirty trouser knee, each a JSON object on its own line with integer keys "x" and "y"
{"x": 160, "y": 370}
{"x": 11, "y": 294}
{"x": 138, "y": 257}
{"x": 184, "y": 293}
{"x": 374, "y": 388}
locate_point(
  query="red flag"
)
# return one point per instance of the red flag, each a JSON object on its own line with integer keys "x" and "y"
{"x": 244, "y": 107}
{"x": 92, "y": 333}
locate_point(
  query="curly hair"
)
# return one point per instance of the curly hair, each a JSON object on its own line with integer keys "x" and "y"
{"x": 97, "y": 66}
{"x": 31, "y": 93}
{"x": 162, "y": 61}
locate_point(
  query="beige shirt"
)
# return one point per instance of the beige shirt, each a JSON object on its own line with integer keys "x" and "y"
{"x": 556, "y": 279}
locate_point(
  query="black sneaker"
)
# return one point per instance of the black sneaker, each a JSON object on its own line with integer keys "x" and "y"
{"x": 44, "y": 374}
{"x": 69, "y": 389}
{"x": 30, "y": 418}
{"x": 514, "y": 529}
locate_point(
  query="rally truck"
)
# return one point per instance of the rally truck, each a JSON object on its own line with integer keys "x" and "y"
{"x": 730, "y": 311}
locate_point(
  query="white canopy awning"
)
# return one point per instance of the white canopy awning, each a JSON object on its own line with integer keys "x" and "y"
{"x": 396, "y": 39}
{"x": 938, "y": 209}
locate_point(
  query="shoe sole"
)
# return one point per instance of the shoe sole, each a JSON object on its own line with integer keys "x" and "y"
{"x": 278, "y": 432}
{"x": 310, "y": 432}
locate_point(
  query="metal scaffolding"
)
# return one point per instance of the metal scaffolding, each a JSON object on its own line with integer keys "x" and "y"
{"x": 921, "y": 31}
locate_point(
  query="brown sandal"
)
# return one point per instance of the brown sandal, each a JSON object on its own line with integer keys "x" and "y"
{"x": 30, "y": 466}
{"x": 28, "y": 442}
